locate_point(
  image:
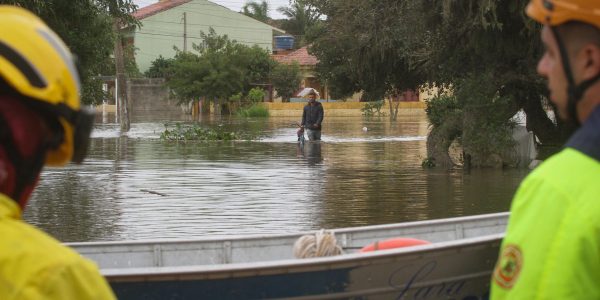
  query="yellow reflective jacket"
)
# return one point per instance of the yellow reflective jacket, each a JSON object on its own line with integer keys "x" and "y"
{"x": 33, "y": 265}
{"x": 552, "y": 244}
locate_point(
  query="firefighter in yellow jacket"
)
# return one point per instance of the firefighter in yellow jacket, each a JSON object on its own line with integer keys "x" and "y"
{"x": 41, "y": 123}
{"x": 552, "y": 245}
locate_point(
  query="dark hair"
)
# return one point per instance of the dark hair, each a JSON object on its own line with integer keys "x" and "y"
{"x": 576, "y": 34}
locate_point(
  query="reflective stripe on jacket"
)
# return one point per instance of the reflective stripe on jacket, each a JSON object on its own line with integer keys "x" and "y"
{"x": 33, "y": 265}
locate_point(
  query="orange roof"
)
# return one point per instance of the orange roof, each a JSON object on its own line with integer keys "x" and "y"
{"x": 301, "y": 56}
{"x": 155, "y": 8}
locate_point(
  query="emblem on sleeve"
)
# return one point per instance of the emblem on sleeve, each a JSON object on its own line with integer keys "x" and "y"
{"x": 508, "y": 266}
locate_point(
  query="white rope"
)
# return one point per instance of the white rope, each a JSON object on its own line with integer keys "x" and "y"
{"x": 322, "y": 243}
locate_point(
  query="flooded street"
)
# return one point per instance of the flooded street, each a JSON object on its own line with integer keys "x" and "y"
{"x": 140, "y": 187}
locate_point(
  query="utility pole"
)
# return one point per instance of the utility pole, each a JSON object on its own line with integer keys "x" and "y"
{"x": 121, "y": 83}
{"x": 184, "y": 32}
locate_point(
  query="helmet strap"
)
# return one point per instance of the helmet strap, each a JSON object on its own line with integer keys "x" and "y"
{"x": 574, "y": 92}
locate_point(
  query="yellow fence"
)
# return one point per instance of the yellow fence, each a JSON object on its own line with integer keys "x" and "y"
{"x": 341, "y": 109}
{"x": 332, "y": 109}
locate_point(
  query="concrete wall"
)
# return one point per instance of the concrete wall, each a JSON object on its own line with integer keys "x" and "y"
{"x": 151, "y": 97}
{"x": 161, "y": 32}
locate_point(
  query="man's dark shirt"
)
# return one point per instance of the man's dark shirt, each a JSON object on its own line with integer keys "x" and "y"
{"x": 587, "y": 138}
{"x": 312, "y": 114}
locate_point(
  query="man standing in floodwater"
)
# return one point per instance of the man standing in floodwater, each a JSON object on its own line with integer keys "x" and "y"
{"x": 552, "y": 245}
{"x": 312, "y": 117}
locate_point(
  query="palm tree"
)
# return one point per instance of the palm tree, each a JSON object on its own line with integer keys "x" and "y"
{"x": 300, "y": 15}
{"x": 258, "y": 11}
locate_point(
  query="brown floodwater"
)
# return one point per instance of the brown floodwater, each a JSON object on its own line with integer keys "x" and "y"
{"x": 136, "y": 186}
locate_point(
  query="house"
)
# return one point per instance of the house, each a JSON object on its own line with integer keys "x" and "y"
{"x": 307, "y": 63}
{"x": 178, "y": 23}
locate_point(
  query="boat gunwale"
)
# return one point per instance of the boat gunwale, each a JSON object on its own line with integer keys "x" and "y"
{"x": 264, "y": 268}
{"x": 337, "y": 231}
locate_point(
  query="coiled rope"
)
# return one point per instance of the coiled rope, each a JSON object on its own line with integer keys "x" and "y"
{"x": 322, "y": 243}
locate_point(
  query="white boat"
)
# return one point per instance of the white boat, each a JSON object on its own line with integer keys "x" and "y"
{"x": 457, "y": 264}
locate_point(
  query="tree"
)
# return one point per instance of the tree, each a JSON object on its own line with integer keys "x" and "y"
{"x": 360, "y": 48}
{"x": 86, "y": 27}
{"x": 300, "y": 17}
{"x": 217, "y": 69}
{"x": 483, "y": 48}
{"x": 286, "y": 80}
{"x": 257, "y": 11}
{"x": 160, "y": 68}
{"x": 257, "y": 65}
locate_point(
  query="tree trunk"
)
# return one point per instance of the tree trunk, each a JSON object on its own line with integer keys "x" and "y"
{"x": 439, "y": 140}
{"x": 217, "y": 106}
{"x": 393, "y": 109}
{"x": 121, "y": 81}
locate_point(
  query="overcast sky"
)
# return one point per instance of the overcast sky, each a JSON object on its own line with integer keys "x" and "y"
{"x": 235, "y": 5}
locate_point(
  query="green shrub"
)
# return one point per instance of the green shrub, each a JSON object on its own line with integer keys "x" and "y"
{"x": 254, "y": 111}
{"x": 487, "y": 127}
{"x": 256, "y": 95}
{"x": 236, "y": 97}
{"x": 373, "y": 108}
{"x": 439, "y": 108}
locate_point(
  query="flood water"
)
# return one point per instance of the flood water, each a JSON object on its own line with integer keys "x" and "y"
{"x": 137, "y": 186}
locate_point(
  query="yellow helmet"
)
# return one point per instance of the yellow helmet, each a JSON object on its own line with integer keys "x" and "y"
{"x": 556, "y": 12}
{"x": 37, "y": 65}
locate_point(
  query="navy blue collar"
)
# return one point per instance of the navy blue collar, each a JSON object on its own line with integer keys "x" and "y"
{"x": 587, "y": 138}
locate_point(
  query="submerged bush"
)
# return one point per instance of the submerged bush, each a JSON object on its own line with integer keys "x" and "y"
{"x": 254, "y": 111}
{"x": 476, "y": 115}
{"x": 197, "y": 133}
{"x": 428, "y": 163}
{"x": 373, "y": 108}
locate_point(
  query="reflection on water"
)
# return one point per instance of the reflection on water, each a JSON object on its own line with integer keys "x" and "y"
{"x": 136, "y": 186}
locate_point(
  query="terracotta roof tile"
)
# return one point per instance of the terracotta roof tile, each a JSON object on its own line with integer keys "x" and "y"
{"x": 301, "y": 56}
{"x": 155, "y": 8}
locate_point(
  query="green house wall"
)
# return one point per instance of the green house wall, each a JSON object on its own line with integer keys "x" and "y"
{"x": 161, "y": 32}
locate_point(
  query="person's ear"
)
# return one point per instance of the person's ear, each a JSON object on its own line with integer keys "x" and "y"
{"x": 590, "y": 61}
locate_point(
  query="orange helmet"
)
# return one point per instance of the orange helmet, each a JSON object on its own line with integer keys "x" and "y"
{"x": 556, "y": 12}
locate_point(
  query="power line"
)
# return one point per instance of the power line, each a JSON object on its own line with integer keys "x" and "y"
{"x": 236, "y": 37}
{"x": 210, "y": 25}
{"x": 200, "y": 38}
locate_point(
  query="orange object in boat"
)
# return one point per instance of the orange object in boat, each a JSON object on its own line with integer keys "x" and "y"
{"x": 393, "y": 243}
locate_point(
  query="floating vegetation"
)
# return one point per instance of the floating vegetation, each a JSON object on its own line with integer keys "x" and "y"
{"x": 194, "y": 132}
